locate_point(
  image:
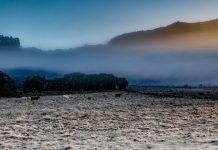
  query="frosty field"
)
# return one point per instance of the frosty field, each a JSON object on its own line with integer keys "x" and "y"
{"x": 104, "y": 121}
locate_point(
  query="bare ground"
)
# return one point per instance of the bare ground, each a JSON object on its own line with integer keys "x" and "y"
{"x": 102, "y": 121}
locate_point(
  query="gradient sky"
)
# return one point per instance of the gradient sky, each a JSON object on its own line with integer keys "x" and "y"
{"x": 52, "y": 24}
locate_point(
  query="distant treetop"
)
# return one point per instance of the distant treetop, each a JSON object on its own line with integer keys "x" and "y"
{"x": 9, "y": 42}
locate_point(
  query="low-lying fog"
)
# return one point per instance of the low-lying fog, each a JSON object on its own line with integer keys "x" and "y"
{"x": 169, "y": 67}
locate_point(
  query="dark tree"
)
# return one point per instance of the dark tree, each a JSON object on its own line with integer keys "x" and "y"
{"x": 122, "y": 83}
{"x": 9, "y": 42}
{"x": 7, "y": 86}
{"x": 35, "y": 83}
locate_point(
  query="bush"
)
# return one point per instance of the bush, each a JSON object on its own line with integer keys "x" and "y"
{"x": 35, "y": 83}
{"x": 7, "y": 86}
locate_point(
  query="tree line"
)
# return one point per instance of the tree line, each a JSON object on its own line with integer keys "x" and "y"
{"x": 75, "y": 82}
{"x": 9, "y": 42}
{"x": 70, "y": 82}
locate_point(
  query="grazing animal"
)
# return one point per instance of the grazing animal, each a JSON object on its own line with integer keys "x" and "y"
{"x": 66, "y": 96}
{"x": 34, "y": 98}
{"x": 118, "y": 95}
{"x": 24, "y": 98}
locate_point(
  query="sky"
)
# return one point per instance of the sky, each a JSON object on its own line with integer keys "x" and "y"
{"x": 57, "y": 24}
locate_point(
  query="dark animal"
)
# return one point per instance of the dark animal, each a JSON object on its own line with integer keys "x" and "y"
{"x": 118, "y": 95}
{"x": 34, "y": 98}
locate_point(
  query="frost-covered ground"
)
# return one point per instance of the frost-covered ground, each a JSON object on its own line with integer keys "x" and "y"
{"x": 102, "y": 121}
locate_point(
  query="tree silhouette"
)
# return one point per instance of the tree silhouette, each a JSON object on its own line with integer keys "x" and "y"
{"x": 76, "y": 82}
{"x": 35, "y": 83}
{"x": 9, "y": 42}
{"x": 7, "y": 85}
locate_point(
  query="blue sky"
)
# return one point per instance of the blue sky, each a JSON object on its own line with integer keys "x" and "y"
{"x": 52, "y": 24}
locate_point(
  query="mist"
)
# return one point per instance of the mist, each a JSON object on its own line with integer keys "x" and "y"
{"x": 171, "y": 68}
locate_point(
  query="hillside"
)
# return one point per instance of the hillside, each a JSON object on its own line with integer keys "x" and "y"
{"x": 177, "y": 35}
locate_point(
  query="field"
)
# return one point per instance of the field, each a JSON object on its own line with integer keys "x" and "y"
{"x": 145, "y": 120}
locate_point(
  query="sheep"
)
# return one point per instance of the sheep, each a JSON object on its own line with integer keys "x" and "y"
{"x": 66, "y": 96}
{"x": 24, "y": 98}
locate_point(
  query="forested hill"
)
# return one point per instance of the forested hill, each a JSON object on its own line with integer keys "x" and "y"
{"x": 9, "y": 42}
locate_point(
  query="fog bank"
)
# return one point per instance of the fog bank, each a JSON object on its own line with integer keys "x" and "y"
{"x": 168, "y": 67}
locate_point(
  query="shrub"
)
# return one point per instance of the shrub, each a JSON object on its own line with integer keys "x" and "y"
{"x": 7, "y": 86}
{"x": 35, "y": 83}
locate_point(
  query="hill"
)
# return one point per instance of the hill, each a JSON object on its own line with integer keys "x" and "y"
{"x": 177, "y": 35}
